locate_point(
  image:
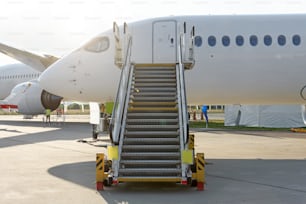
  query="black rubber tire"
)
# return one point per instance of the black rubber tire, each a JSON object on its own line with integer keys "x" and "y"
{"x": 194, "y": 183}
{"x": 95, "y": 135}
{"x": 108, "y": 182}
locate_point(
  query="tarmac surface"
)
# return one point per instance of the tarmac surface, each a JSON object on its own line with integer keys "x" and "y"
{"x": 47, "y": 164}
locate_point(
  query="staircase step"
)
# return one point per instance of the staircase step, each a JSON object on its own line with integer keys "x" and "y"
{"x": 149, "y": 80}
{"x": 148, "y": 162}
{"x": 148, "y": 103}
{"x": 150, "y": 170}
{"x": 158, "y": 155}
{"x": 135, "y": 94}
{"x": 150, "y": 179}
{"x": 146, "y": 134}
{"x": 151, "y": 141}
{"x": 158, "y": 71}
{"x": 154, "y": 67}
{"x": 152, "y": 121}
{"x": 151, "y": 148}
{"x": 153, "y": 109}
{"x": 154, "y": 89}
{"x": 150, "y": 156}
{"x": 151, "y": 127}
{"x": 152, "y": 115}
{"x": 155, "y": 76}
{"x": 147, "y": 176}
{"x": 153, "y": 99}
{"x": 155, "y": 84}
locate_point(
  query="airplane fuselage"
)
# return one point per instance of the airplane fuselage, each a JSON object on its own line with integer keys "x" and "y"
{"x": 259, "y": 59}
{"x": 13, "y": 74}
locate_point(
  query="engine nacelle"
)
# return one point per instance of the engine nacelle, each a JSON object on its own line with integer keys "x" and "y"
{"x": 31, "y": 99}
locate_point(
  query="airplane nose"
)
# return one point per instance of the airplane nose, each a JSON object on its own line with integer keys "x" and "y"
{"x": 50, "y": 80}
{"x": 61, "y": 77}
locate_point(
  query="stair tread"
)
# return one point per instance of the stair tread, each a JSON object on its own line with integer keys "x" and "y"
{"x": 153, "y": 109}
{"x": 161, "y": 154}
{"x": 158, "y": 170}
{"x": 155, "y": 80}
{"x": 150, "y": 161}
{"x": 155, "y": 93}
{"x": 138, "y": 68}
{"x": 147, "y": 146}
{"x": 160, "y": 98}
{"x": 155, "y": 84}
{"x": 145, "y": 120}
{"x": 144, "y": 140}
{"x": 153, "y": 114}
{"x": 156, "y": 71}
{"x": 173, "y": 133}
{"x": 150, "y": 178}
{"x": 150, "y": 141}
{"x": 155, "y": 66}
{"x": 154, "y": 89}
{"x": 152, "y": 126}
{"x": 156, "y": 98}
{"x": 153, "y": 103}
{"x": 154, "y": 76}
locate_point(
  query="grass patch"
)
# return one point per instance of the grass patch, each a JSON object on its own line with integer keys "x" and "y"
{"x": 69, "y": 112}
{"x": 219, "y": 124}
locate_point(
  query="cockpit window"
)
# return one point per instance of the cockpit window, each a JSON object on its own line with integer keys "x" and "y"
{"x": 98, "y": 44}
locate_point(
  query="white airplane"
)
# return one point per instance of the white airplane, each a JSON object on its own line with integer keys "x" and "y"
{"x": 248, "y": 59}
{"x": 258, "y": 59}
{"x": 19, "y": 88}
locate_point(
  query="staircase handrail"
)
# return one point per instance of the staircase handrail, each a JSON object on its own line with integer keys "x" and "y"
{"x": 117, "y": 113}
{"x": 183, "y": 104}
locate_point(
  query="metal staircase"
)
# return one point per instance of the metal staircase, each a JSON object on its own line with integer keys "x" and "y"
{"x": 151, "y": 139}
{"x": 149, "y": 126}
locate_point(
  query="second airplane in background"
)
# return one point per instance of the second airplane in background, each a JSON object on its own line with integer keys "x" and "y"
{"x": 19, "y": 88}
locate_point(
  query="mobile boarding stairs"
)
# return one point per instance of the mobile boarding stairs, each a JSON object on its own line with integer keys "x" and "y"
{"x": 149, "y": 129}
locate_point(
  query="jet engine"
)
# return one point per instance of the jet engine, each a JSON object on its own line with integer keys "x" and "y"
{"x": 31, "y": 99}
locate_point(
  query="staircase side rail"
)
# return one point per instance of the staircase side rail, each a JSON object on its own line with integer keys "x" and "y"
{"x": 188, "y": 50}
{"x": 118, "y": 46}
{"x": 183, "y": 108}
{"x": 115, "y": 125}
{"x": 183, "y": 121}
{"x": 124, "y": 118}
{"x": 191, "y": 45}
{"x": 180, "y": 117}
{"x": 118, "y": 54}
{"x": 179, "y": 96}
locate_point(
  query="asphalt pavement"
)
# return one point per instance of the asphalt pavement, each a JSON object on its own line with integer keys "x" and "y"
{"x": 56, "y": 164}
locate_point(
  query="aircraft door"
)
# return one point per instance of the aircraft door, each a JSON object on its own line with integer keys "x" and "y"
{"x": 164, "y": 42}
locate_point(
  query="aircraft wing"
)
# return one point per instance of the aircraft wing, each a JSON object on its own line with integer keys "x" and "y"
{"x": 36, "y": 61}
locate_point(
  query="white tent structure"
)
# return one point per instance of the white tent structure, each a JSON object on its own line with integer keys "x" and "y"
{"x": 278, "y": 116}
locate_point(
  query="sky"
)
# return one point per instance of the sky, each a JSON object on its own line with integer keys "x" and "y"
{"x": 58, "y": 26}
